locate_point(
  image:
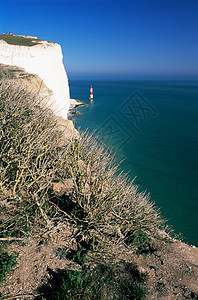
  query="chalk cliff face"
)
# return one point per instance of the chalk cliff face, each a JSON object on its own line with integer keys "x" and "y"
{"x": 31, "y": 82}
{"x": 45, "y": 60}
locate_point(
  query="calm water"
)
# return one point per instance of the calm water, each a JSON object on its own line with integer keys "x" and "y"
{"x": 153, "y": 125}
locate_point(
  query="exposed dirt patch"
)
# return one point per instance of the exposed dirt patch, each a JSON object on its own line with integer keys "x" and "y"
{"x": 170, "y": 268}
{"x": 35, "y": 258}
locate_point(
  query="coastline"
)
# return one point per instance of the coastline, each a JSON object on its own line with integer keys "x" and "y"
{"x": 153, "y": 156}
{"x": 74, "y": 104}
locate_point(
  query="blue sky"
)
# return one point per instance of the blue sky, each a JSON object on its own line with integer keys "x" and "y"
{"x": 122, "y": 39}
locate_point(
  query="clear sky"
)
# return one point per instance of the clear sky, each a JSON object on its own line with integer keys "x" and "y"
{"x": 129, "y": 39}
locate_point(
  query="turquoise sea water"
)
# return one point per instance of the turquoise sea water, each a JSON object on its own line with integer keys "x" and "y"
{"x": 154, "y": 126}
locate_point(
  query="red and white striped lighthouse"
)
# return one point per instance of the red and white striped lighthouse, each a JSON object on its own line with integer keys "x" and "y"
{"x": 91, "y": 93}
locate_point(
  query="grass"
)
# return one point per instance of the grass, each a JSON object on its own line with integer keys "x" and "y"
{"x": 106, "y": 201}
{"x": 19, "y": 40}
{"x": 103, "y": 204}
{"x": 103, "y": 281}
{"x": 25, "y": 160}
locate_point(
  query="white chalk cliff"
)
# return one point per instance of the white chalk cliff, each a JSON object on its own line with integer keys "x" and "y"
{"x": 45, "y": 60}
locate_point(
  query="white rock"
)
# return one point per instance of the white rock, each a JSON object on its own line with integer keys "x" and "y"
{"x": 44, "y": 60}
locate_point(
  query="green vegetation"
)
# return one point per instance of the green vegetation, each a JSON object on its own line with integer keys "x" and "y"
{"x": 19, "y": 40}
{"x": 7, "y": 262}
{"x": 103, "y": 281}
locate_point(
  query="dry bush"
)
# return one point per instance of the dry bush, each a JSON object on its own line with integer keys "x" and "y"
{"x": 102, "y": 202}
{"x": 28, "y": 142}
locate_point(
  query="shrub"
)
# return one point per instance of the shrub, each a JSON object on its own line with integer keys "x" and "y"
{"x": 103, "y": 203}
{"x": 27, "y": 145}
{"x": 7, "y": 262}
{"x": 103, "y": 281}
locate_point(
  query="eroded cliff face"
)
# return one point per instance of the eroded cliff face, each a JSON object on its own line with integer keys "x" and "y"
{"x": 33, "y": 83}
{"x": 45, "y": 60}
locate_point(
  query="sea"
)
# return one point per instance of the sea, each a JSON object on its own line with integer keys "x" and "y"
{"x": 153, "y": 128}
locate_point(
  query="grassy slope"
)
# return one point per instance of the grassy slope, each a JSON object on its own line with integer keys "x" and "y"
{"x": 103, "y": 199}
{"x": 103, "y": 209}
{"x": 102, "y": 206}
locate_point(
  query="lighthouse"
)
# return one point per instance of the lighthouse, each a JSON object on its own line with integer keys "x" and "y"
{"x": 91, "y": 93}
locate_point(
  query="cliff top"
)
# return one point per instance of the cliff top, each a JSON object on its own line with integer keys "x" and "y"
{"x": 20, "y": 40}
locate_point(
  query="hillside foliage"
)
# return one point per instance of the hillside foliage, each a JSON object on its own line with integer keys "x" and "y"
{"x": 101, "y": 201}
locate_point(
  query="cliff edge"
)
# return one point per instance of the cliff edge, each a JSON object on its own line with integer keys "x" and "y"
{"x": 42, "y": 58}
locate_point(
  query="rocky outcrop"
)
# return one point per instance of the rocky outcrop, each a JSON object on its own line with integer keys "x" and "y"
{"x": 68, "y": 130}
{"x": 43, "y": 59}
{"x": 31, "y": 82}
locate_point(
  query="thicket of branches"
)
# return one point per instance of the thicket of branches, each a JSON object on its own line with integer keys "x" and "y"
{"x": 102, "y": 202}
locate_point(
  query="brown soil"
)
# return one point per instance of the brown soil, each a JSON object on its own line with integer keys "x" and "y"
{"x": 170, "y": 268}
